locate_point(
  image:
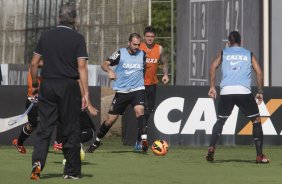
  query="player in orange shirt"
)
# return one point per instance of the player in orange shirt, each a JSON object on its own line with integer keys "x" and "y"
{"x": 33, "y": 117}
{"x": 154, "y": 57}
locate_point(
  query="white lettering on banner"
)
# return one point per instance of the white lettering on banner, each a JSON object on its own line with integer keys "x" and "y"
{"x": 205, "y": 107}
{"x": 266, "y": 110}
{"x": 230, "y": 124}
{"x": 267, "y": 125}
{"x": 268, "y": 128}
{"x": 161, "y": 120}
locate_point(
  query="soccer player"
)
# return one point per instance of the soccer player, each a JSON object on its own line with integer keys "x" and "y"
{"x": 129, "y": 87}
{"x": 87, "y": 129}
{"x": 33, "y": 117}
{"x": 154, "y": 56}
{"x": 87, "y": 132}
{"x": 235, "y": 89}
{"x": 64, "y": 53}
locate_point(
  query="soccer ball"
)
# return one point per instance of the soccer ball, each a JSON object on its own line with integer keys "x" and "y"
{"x": 165, "y": 145}
{"x": 160, "y": 147}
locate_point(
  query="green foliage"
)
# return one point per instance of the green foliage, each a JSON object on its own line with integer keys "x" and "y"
{"x": 161, "y": 20}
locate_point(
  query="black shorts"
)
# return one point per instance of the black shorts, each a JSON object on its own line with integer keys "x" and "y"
{"x": 85, "y": 121}
{"x": 32, "y": 116}
{"x": 150, "y": 94}
{"x": 122, "y": 100}
{"x": 245, "y": 102}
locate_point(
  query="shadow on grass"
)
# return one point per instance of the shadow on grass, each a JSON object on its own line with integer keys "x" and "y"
{"x": 122, "y": 151}
{"x": 234, "y": 160}
{"x": 57, "y": 175}
{"x": 82, "y": 163}
{"x": 129, "y": 151}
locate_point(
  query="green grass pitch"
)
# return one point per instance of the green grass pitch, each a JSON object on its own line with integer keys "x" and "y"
{"x": 114, "y": 163}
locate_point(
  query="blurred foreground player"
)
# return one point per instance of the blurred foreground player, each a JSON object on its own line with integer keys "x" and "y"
{"x": 32, "y": 116}
{"x": 64, "y": 53}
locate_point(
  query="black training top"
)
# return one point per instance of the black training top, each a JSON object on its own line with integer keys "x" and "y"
{"x": 60, "y": 47}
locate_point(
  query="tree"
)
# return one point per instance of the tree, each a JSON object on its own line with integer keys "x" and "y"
{"x": 161, "y": 21}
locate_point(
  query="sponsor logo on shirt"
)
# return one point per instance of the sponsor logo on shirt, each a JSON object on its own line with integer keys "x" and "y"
{"x": 236, "y": 57}
{"x": 235, "y": 62}
{"x": 128, "y": 72}
{"x": 151, "y": 60}
{"x": 114, "y": 56}
{"x": 131, "y": 65}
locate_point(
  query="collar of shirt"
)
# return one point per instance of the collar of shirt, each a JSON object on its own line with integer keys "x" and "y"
{"x": 129, "y": 51}
{"x": 64, "y": 26}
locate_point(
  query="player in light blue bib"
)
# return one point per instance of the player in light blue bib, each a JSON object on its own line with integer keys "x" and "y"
{"x": 128, "y": 79}
{"x": 235, "y": 89}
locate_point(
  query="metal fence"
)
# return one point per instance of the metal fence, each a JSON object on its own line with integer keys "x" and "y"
{"x": 106, "y": 25}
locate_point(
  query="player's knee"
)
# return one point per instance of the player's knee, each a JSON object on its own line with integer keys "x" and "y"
{"x": 87, "y": 134}
{"x": 139, "y": 113}
{"x": 255, "y": 119}
{"x": 139, "y": 110}
{"x": 31, "y": 127}
{"x": 27, "y": 129}
{"x": 110, "y": 121}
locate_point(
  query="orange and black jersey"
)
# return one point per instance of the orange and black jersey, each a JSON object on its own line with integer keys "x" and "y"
{"x": 152, "y": 62}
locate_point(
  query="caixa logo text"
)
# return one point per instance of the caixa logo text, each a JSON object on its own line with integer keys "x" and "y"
{"x": 203, "y": 117}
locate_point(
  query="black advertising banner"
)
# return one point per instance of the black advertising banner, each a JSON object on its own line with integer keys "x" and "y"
{"x": 12, "y": 106}
{"x": 185, "y": 115}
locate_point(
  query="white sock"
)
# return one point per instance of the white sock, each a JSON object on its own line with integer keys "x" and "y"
{"x": 144, "y": 136}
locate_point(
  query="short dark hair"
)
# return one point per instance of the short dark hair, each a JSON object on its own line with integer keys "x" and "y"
{"x": 149, "y": 29}
{"x": 67, "y": 14}
{"x": 234, "y": 37}
{"x": 134, "y": 35}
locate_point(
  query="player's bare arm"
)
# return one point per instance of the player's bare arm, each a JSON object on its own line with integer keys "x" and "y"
{"x": 34, "y": 72}
{"x": 106, "y": 67}
{"x": 92, "y": 110}
{"x": 259, "y": 75}
{"x": 83, "y": 76}
{"x": 215, "y": 63}
{"x": 164, "y": 64}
